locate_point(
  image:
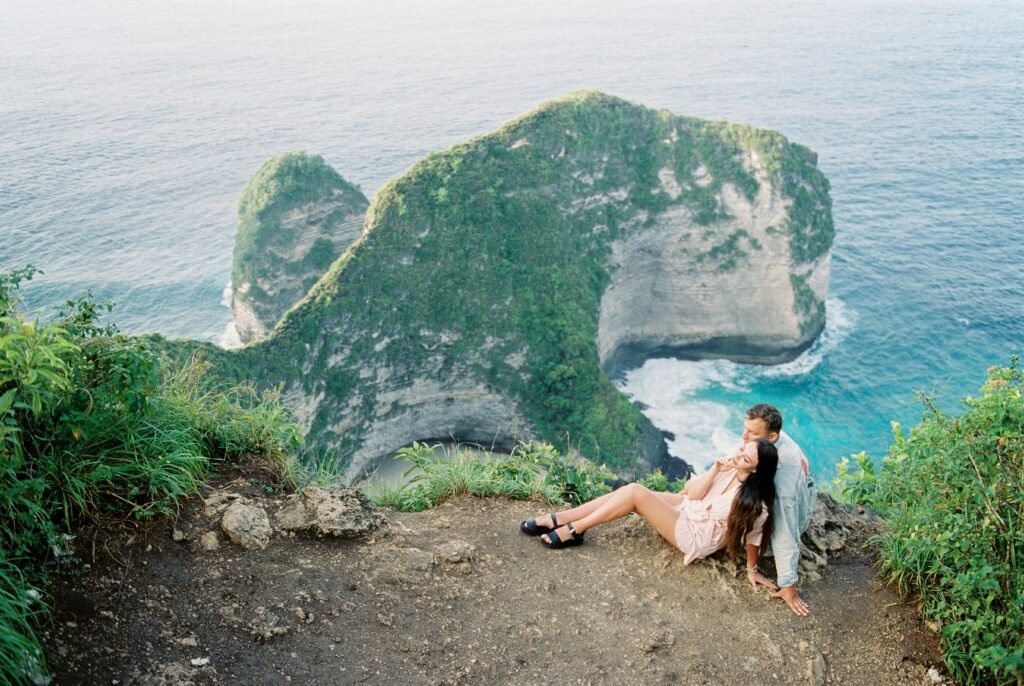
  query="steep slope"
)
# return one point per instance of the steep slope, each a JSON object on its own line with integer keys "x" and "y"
{"x": 498, "y": 283}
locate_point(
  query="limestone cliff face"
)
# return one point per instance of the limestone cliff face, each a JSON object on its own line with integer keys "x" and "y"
{"x": 734, "y": 289}
{"x": 296, "y": 216}
{"x": 496, "y": 284}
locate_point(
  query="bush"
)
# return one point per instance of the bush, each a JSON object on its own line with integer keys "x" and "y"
{"x": 94, "y": 424}
{"x": 657, "y": 481}
{"x": 952, "y": 494}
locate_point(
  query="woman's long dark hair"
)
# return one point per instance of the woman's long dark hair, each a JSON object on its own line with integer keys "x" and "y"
{"x": 756, "y": 492}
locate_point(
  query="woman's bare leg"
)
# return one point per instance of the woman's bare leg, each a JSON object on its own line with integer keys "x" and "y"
{"x": 577, "y": 513}
{"x": 649, "y": 504}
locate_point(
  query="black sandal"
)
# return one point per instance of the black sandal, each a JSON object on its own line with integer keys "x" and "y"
{"x": 530, "y": 527}
{"x": 556, "y": 542}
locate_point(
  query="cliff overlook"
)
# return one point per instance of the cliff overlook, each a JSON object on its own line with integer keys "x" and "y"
{"x": 496, "y": 285}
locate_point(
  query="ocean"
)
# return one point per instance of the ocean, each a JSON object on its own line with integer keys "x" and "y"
{"x": 127, "y": 130}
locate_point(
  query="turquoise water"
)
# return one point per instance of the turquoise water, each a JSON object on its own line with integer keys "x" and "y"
{"x": 128, "y": 129}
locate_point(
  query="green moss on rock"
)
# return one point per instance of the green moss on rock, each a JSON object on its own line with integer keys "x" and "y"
{"x": 469, "y": 306}
{"x": 295, "y": 217}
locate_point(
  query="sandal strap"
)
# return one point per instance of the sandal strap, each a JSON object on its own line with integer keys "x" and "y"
{"x": 572, "y": 530}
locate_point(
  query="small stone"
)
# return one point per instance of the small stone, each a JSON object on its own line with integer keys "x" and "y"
{"x": 816, "y": 670}
{"x": 200, "y": 661}
{"x": 177, "y": 535}
{"x": 209, "y": 541}
{"x": 247, "y": 525}
{"x": 934, "y": 675}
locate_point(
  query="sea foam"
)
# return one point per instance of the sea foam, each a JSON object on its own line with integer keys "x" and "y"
{"x": 678, "y": 395}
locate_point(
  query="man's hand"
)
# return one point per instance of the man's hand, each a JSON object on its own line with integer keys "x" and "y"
{"x": 757, "y": 579}
{"x": 793, "y": 599}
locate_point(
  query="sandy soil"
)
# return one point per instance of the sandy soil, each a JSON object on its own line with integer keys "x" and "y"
{"x": 457, "y": 595}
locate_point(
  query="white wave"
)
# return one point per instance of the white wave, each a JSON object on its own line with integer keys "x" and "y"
{"x": 229, "y": 338}
{"x": 671, "y": 392}
{"x": 226, "y": 294}
{"x": 839, "y": 323}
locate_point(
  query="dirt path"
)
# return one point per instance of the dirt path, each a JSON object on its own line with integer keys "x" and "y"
{"x": 458, "y": 596}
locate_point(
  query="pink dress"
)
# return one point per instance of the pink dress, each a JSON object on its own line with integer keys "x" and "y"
{"x": 700, "y": 529}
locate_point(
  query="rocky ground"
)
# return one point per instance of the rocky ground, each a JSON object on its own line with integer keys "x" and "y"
{"x": 457, "y": 595}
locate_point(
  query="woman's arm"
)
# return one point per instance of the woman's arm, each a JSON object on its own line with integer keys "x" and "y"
{"x": 697, "y": 488}
{"x": 754, "y": 575}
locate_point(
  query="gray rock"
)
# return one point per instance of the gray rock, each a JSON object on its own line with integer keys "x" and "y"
{"x": 455, "y": 552}
{"x": 218, "y": 502}
{"x": 209, "y": 541}
{"x": 265, "y": 624}
{"x": 832, "y": 524}
{"x": 247, "y": 525}
{"x": 331, "y": 511}
{"x": 816, "y": 669}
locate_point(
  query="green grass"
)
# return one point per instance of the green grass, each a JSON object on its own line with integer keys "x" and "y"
{"x": 21, "y": 610}
{"x": 530, "y": 470}
{"x": 95, "y": 425}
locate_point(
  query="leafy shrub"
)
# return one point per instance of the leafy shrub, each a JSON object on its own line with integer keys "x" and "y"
{"x": 657, "y": 481}
{"x": 94, "y": 424}
{"x": 575, "y": 480}
{"x": 952, "y": 494}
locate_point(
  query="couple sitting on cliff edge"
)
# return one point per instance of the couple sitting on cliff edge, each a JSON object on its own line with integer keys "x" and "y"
{"x": 766, "y": 485}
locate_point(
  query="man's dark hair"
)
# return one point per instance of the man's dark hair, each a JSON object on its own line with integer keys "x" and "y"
{"x": 769, "y": 413}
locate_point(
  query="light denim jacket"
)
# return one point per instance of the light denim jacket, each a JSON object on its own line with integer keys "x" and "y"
{"x": 794, "y": 502}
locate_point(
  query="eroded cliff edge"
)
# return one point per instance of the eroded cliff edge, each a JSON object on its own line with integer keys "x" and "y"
{"x": 497, "y": 284}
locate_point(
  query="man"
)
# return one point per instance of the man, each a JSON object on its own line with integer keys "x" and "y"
{"x": 794, "y": 502}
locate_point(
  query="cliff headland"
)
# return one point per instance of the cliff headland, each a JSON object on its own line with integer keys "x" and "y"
{"x": 496, "y": 286}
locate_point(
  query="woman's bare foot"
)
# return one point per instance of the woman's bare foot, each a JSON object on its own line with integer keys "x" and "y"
{"x": 562, "y": 537}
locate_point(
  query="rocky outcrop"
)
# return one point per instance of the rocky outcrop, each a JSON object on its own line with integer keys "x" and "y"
{"x": 296, "y": 216}
{"x": 498, "y": 283}
{"x": 331, "y": 511}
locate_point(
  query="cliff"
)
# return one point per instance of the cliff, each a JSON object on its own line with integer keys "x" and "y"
{"x": 497, "y": 284}
{"x": 295, "y": 217}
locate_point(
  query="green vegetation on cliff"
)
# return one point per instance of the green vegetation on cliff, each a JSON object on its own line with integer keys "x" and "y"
{"x": 95, "y": 426}
{"x": 952, "y": 494}
{"x": 487, "y": 263}
{"x": 278, "y": 257}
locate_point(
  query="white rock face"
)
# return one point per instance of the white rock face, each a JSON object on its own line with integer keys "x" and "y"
{"x": 671, "y": 294}
{"x": 435, "y": 409}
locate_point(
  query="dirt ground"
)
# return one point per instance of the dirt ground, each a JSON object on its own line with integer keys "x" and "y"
{"x": 457, "y": 595}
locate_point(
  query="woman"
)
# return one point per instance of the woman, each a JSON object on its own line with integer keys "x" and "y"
{"x": 729, "y": 506}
